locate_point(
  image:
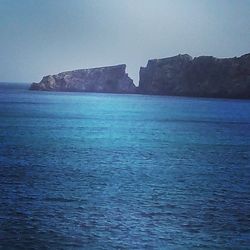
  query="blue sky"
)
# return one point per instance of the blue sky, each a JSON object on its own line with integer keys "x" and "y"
{"x": 40, "y": 37}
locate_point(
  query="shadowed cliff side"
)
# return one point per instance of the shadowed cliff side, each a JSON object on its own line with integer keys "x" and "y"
{"x": 111, "y": 79}
{"x": 203, "y": 76}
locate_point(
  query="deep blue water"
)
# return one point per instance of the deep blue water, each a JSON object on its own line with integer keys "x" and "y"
{"x": 106, "y": 171}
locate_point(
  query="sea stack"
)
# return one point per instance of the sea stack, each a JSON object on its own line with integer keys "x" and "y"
{"x": 203, "y": 76}
{"x": 111, "y": 79}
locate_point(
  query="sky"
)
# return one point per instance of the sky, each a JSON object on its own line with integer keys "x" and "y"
{"x": 42, "y": 37}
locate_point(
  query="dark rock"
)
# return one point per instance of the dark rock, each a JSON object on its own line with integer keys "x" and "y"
{"x": 112, "y": 79}
{"x": 203, "y": 76}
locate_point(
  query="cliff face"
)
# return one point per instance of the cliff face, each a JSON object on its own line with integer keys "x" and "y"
{"x": 181, "y": 75}
{"x": 203, "y": 76}
{"x": 113, "y": 79}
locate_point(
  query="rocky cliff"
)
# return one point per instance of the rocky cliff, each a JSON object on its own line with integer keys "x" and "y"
{"x": 203, "y": 76}
{"x": 112, "y": 79}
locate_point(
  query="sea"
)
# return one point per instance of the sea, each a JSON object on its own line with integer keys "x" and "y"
{"x": 114, "y": 171}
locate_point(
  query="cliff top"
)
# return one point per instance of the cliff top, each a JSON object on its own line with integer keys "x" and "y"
{"x": 187, "y": 57}
{"x": 122, "y": 67}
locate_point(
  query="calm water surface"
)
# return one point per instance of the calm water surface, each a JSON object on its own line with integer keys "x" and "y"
{"x": 105, "y": 171}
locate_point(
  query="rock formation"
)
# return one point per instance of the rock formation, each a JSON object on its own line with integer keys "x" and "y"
{"x": 181, "y": 75}
{"x": 203, "y": 76}
{"x": 112, "y": 79}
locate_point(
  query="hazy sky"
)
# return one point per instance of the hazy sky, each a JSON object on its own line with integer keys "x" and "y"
{"x": 40, "y": 37}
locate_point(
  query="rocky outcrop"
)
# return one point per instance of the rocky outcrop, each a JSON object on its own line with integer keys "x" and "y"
{"x": 203, "y": 76}
{"x": 181, "y": 75}
{"x": 112, "y": 79}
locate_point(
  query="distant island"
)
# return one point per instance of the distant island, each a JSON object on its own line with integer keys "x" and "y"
{"x": 111, "y": 79}
{"x": 181, "y": 75}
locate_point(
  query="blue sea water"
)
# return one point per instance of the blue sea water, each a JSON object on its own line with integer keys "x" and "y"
{"x": 107, "y": 171}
